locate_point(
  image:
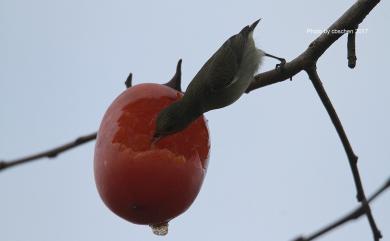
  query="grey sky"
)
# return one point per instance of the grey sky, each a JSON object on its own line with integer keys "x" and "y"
{"x": 277, "y": 168}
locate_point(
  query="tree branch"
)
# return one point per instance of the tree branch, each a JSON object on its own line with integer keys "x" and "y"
{"x": 349, "y": 20}
{"x": 307, "y": 61}
{"x": 355, "y": 214}
{"x": 313, "y": 75}
{"x": 50, "y": 153}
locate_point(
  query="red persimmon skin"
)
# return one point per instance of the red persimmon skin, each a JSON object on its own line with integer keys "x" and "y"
{"x": 142, "y": 182}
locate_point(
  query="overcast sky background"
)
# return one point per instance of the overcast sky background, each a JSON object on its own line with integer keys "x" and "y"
{"x": 277, "y": 168}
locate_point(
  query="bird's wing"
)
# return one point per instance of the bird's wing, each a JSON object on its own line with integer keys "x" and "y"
{"x": 224, "y": 67}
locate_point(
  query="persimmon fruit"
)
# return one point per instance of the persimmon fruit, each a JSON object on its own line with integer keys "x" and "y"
{"x": 142, "y": 181}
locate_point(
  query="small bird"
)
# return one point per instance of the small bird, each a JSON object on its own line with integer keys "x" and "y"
{"x": 220, "y": 82}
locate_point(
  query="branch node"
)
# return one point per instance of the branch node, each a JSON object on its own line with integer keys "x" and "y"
{"x": 300, "y": 238}
{"x": 355, "y": 214}
{"x": 79, "y": 140}
{"x": 52, "y": 155}
{"x": 54, "y": 152}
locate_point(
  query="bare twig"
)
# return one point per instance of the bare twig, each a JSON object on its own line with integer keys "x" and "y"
{"x": 351, "y": 49}
{"x": 355, "y": 214}
{"x": 313, "y": 75}
{"x": 50, "y": 153}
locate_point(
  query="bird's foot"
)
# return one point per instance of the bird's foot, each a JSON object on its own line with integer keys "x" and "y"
{"x": 279, "y": 66}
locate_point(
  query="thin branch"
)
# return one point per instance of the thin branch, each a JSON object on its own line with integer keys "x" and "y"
{"x": 355, "y": 214}
{"x": 313, "y": 75}
{"x": 351, "y": 48}
{"x": 349, "y": 20}
{"x": 50, "y": 153}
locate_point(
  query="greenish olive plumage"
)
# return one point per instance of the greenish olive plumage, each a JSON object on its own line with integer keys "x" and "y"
{"x": 220, "y": 82}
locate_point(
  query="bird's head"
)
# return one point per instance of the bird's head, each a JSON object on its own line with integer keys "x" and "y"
{"x": 170, "y": 120}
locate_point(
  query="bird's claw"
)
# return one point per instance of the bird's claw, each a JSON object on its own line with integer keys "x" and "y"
{"x": 279, "y": 67}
